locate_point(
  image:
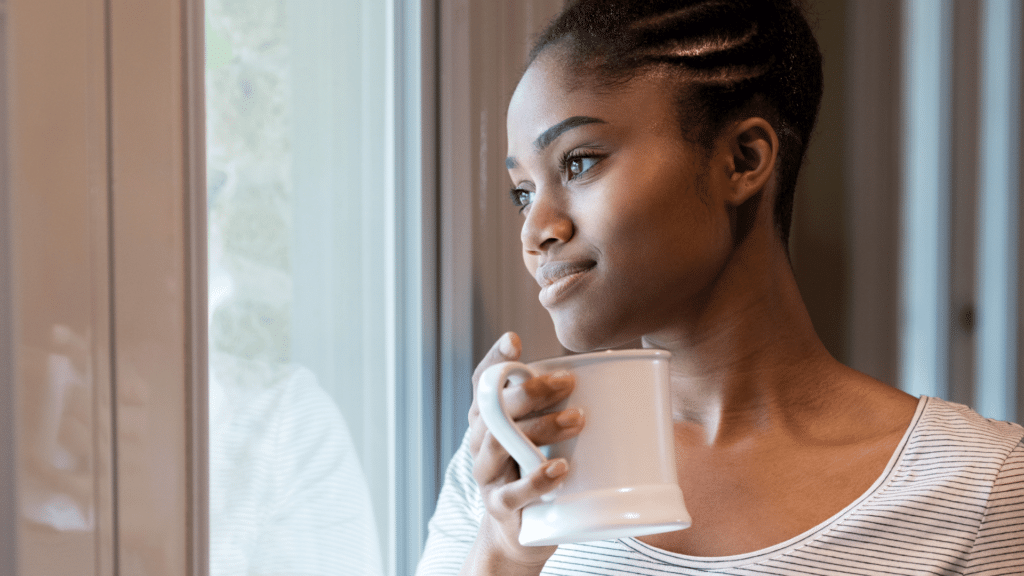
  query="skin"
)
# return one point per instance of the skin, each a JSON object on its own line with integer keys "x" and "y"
{"x": 677, "y": 247}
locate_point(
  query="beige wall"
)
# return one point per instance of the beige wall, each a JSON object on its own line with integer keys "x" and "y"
{"x": 818, "y": 243}
{"x": 106, "y": 284}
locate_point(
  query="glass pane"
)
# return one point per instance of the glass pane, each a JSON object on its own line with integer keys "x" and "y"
{"x": 299, "y": 418}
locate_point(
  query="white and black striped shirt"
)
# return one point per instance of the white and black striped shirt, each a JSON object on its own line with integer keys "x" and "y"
{"x": 287, "y": 492}
{"x": 950, "y": 501}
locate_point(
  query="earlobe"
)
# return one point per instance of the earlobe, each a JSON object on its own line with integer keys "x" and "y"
{"x": 754, "y": 147}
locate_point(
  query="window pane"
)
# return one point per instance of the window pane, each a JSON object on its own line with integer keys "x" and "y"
{"x": 299, "y": 430}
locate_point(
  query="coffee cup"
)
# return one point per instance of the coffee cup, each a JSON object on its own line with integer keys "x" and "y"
{"x": 622, "y": 470}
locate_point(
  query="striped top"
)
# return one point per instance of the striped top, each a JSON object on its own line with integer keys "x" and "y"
{"x": 287, "y": 493}
{"x": 950, "y": 501}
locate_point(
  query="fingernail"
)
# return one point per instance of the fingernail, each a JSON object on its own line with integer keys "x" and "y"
{"x": 556, "y": 469}
{"x": 569, "y": 418}
{"x": 561, "y": 377}
{"x": 506, "y": 345}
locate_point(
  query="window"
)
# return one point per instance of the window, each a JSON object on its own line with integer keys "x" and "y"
{"x": 305, "y": 265}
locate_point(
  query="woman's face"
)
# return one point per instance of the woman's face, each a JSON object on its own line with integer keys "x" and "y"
{"x": 621, "y": 223}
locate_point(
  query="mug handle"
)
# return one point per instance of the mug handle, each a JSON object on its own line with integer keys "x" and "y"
{"x": 492, "y": 409}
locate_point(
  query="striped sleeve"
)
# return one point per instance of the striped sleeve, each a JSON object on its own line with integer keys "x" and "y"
{"x": 456, "y": 520}
{"x": 999, "y": 546}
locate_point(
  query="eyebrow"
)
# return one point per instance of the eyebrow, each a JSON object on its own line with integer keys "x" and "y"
{"x": 549, "y": 135}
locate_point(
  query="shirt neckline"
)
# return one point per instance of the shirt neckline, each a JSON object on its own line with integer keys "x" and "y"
{"x": 721, "y": 562}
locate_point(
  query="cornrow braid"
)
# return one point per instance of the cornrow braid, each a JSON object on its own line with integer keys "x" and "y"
{"x": 733, "y": 57}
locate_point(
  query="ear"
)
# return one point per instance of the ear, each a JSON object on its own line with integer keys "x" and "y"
{"x": 753, "y": 148}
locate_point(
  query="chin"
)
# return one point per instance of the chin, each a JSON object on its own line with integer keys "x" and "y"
{"x": 572, "y": 337}
{"x": 577, "y": 347}
{"x": 579, "y": 338}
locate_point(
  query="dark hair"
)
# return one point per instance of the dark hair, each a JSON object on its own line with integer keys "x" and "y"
{"x": 733, "y": 57}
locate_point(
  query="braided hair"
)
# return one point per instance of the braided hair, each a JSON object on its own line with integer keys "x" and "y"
{"x": 733, "y": 59}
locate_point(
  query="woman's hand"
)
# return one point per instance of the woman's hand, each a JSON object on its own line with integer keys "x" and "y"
{"x": 505, "y": 493}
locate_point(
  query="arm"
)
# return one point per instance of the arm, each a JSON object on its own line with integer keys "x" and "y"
{"x": 456, "y": 520}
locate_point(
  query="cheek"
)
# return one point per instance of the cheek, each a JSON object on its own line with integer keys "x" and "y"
{"x": 664, "y": 236}
{"x": 651, "y": 216}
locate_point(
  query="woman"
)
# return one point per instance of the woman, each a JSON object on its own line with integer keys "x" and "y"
{"x": 654, "y": 148}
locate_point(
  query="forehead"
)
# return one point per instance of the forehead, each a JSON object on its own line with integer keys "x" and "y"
{"x": 549, "y": 94}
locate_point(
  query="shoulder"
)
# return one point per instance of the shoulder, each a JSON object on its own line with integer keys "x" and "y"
{"x": 254, "y": 394}
{"x": 956, "y": 451}
{"x": 945, "y": 425}
{"x": 276, "y": 419}
{"x": 287, "y": 493}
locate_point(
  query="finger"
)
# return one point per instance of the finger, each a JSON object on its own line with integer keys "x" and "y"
{"x": 554, "y": 427}
{"x": 537, "y": 394}
{"x": 541, "y": 429}
{"x": 477, "y": 432}
{"x": 492, "y": 463}
{"x": 491, "y": 460}
{"x": 508, "y": 347}
{"x": 515, "y": 495}
{"x": 525, "y": 401}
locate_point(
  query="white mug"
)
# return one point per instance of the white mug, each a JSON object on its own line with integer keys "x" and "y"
{"x": 622, "y": 469}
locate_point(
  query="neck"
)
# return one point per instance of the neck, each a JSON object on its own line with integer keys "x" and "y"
{"x": 751, "y": 356}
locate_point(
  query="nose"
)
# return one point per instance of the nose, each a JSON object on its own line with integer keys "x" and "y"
{"x": 547, "y": 224}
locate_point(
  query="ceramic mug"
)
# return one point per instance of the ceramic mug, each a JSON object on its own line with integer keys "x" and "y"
{"x": 622, "y": 468}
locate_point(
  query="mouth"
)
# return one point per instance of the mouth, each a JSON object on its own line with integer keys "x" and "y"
{"x": 559, "y": 279}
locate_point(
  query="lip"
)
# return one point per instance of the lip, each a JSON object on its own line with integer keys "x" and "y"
{"x": 559, "y": 279}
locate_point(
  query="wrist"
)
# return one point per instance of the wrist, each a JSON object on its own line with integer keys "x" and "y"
{"x": 490, "y": 554}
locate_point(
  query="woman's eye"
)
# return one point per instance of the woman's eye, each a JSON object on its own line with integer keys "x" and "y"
{"x": 521, "y": 198}
{"x": 577, "y": 166}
